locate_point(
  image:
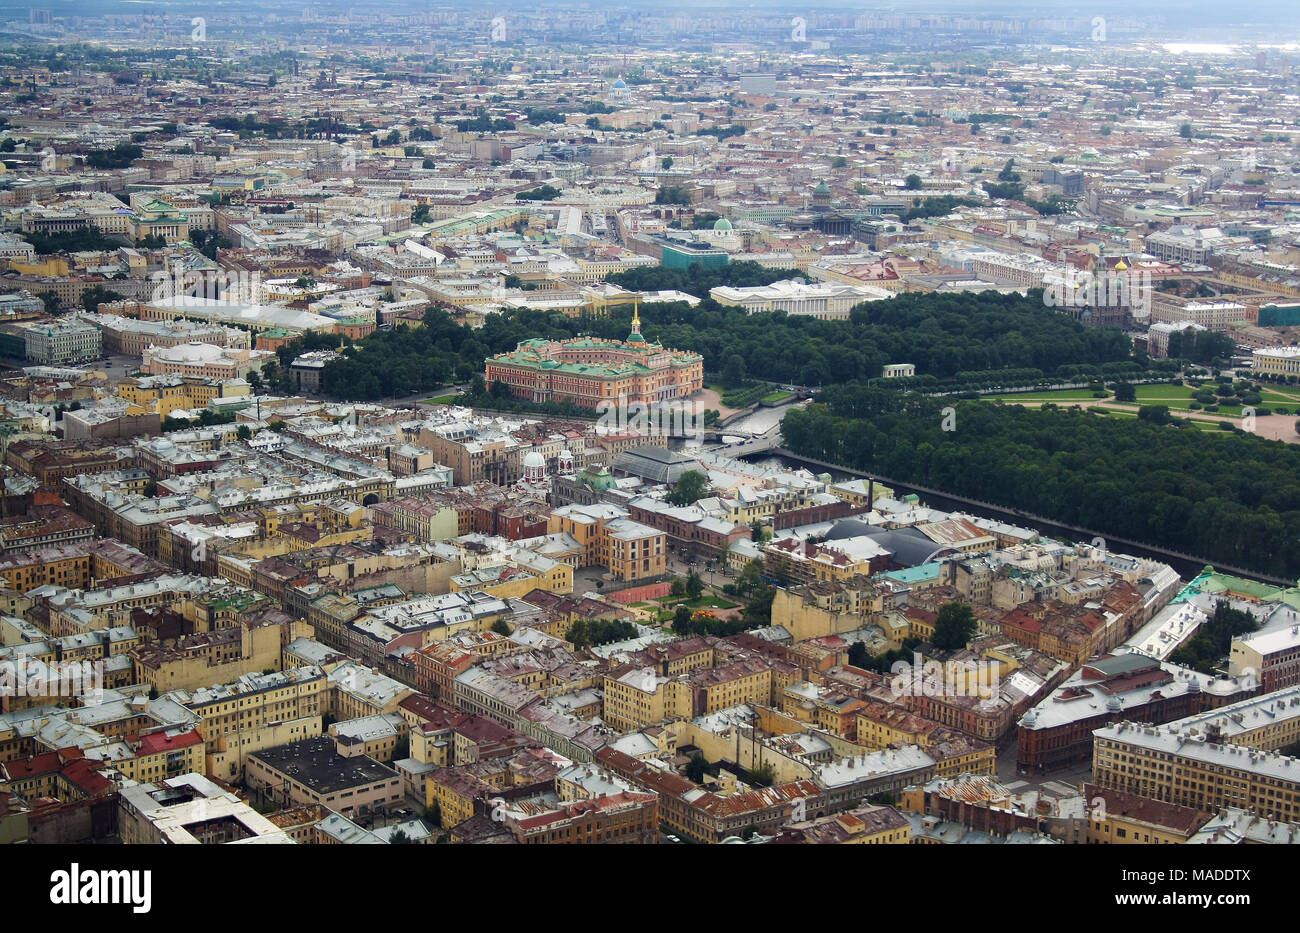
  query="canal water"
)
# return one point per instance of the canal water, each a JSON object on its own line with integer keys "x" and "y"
{"x": 764, "y": 418}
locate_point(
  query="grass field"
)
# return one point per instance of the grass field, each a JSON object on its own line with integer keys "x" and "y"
{"x": 705, "y": 601}
{"x": 1180, "y": 398}
{"x": 1058, "y": 395}
{"x": 1175, "y": 398}
{"x": 711, "y": 602}
{"x": 442, "y": 400}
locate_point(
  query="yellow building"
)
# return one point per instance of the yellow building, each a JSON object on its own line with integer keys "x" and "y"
{"x": 67, "y": 566}
{"x": 375, "y": 736}
{"x": 453, "y": 791}
{"x": 880, "y": 726}
{"x": 356, "y": 691}
{"x": 812, "y": 611}
{"x": 302, "y": 536}
{"x": 50, "y": 266}
{"x": 166, "y": 394}
{"x": 248, "y": 714}
{"x": 631, "y": 550}
{"x": 721, "y": 688}
{"x": 681, "y": 657}
{"x": 961, "y": 754}
{"x": 158, "y": 756}
{"x": 1117, "y": 818}
{"x": 801, "y": 562}
{"x": 209, "y": 657}
{"x": 628, "y": 549}
{"x": 1277, "y": 361}
{"x": 1169, "y": 764}
{"x": 517, "y": 579}
{"x": 229, "y": 753}
{"x": 550, "y": 575}
{"x": 863, "y": 826}
{"x": 639, "y": 697}
{"x": 860, "y": 493}
{"x": 158, "y": 218}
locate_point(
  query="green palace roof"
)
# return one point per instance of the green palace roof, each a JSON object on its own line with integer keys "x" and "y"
{"x": 529, "y": 353}
{"x": 1213, "y": 582}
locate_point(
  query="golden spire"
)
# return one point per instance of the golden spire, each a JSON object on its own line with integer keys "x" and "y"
{"x": 635, "y": 336}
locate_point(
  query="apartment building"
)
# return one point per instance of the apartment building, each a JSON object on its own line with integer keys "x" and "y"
{"x": 1227, "y": 757}
{"x": 189, "y": 809}
{"x": 628, "y": 549}
{"x": 1130, "y": 686}
{"x": 313, "y": 772}
{"x": 1114, "y": 817}
{"x": 1209, "y": 314}
{"x": 1188, "y": 769}
{"x": 626, "y": 817}
{"x": 256, "y": 711}
{"x": 1272, "y": 658}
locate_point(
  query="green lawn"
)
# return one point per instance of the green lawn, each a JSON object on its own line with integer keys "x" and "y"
{"x": 1202, "y": 424}
{"x": 1175, "y": 398}
{"x": 1059, "y": 395}
{"x": 705, "y": 601}
{"x": 711, "y": 602}
{"x": 776, "y": 396}
{"x": 442, "y": 400}
{"x": 1180, "y": 398}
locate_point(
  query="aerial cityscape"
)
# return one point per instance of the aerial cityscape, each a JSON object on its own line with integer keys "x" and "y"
{"x": 582, "y": 423}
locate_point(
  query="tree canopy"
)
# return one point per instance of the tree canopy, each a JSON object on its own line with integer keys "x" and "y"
{"x": 588, "y": 632}
{"x": 955, "y": 627}
{"x": 1230, "y": 497}
{"x": 954, "y": 340}
{"x": 690, "y": 486}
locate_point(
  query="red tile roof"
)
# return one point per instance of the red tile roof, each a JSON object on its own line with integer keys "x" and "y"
{"x": 156, "y": 742}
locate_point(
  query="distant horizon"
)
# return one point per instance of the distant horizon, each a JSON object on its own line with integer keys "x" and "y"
{"x": 1192, "y": 13}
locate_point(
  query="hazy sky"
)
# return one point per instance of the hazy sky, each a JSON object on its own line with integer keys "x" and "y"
{"x": 1261, "y": 20}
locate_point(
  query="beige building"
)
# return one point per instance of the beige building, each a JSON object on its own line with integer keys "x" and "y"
{"x": 1276, "y": 361}
{"x": 1223, "y": 758}
{"x": 313, "y": 772}
{"x": 628, "y": 549}
{"x": 190, "y": 810}
{"x": 205, "y": 658}
{"x": 1117, "y": 818}
{"x": 255, "y": 712}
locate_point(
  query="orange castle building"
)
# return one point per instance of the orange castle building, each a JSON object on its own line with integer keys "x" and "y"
{"x": 587, "y": 371}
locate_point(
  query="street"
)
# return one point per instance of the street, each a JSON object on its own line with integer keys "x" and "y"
{"x": 1063, "y": 782}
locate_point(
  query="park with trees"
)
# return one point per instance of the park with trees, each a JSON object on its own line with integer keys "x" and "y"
{"x": 1231, "y": 496}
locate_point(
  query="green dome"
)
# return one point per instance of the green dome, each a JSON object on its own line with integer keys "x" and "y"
{"x": 822, "y": 188}
{"x": 722, "y": 223}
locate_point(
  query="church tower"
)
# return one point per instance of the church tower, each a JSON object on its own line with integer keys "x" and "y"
{"x": 635, "y": 336}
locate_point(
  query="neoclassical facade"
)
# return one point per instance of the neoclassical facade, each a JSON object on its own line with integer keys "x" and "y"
{"x": 588, "y": 371}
